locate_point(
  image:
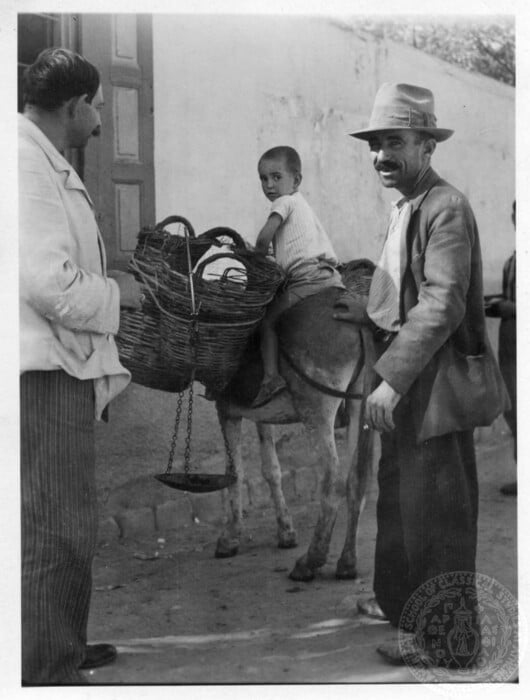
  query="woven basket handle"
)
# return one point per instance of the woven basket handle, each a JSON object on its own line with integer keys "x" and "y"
{"x": 202, "y": 265}
{"x": 175, "y": 219}
{"x": 187, "y": 317}
{"x": 214, "y": 233}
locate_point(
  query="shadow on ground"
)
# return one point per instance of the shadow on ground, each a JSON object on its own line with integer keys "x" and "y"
{"x": 180, "y": 616}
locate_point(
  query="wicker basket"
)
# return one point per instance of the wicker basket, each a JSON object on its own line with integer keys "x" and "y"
{"x": 227, "y": 313}
{"x": 163, "y": 342}
{"x": 213, "y": 349}
{"x": 139, "y": 348}
{"x": 138, "y": 338}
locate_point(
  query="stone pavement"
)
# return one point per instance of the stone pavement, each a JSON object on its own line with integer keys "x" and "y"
{"x": 143, "y": 506}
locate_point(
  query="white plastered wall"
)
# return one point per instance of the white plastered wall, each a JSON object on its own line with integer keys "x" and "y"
{"x": 229, "y": 87}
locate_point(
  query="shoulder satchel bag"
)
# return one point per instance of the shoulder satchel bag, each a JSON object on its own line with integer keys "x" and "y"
{"x": 468, "y": 392}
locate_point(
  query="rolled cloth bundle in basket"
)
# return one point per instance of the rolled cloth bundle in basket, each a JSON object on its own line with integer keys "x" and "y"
{"x": 163, "y": 342}
{"x": 218, "y": 264}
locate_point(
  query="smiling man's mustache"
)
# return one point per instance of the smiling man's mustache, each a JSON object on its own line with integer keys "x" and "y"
{"x": 386, "y": 165}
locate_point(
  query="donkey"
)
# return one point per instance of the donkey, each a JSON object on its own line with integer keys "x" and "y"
{"x": 323, "y": 361}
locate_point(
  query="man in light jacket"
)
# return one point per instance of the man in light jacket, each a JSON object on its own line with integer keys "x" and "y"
{"x": 438, "y": 378}
{"x": 69, "y": 365}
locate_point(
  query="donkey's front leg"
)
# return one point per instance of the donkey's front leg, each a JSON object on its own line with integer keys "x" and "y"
{"x": 228, "y": 542}
{"x": 360, "y": 451}
{"x": 323, "y": 439}
{"x": 271, "y": 470}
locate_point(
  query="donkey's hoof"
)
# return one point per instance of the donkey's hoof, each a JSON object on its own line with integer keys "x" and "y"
{"x": 302, "y": 572}
{"x": 225, "y": 550}
{"x": 287, "y": 539}
{"x": 346, "y": 572}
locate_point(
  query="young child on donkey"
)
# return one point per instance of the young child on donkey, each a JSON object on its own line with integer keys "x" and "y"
{"x": 301, "y": 248}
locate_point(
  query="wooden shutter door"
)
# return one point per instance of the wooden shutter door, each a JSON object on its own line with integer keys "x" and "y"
{"x": 119, "y": 170}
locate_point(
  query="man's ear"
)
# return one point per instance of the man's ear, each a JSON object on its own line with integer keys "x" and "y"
{"x": 73, "y": 103}
{"x": 430, "y": 146}
{"x": 298, "y": 179}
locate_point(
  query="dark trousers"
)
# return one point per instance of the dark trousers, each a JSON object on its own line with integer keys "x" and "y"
{"x": 58, "y": 521}
{"x": 508, "y": 367}
{"x": 426, "y": 512}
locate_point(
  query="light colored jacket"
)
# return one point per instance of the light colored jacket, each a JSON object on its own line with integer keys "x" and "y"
{"x": 69, "y": 309}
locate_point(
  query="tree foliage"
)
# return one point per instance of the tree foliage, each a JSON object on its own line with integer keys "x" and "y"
{"x": 477, "y": 45}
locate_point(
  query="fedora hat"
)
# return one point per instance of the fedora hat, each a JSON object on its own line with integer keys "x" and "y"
{"x": 401, "y": 106}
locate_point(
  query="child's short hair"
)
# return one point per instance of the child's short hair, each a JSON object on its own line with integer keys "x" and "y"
{"x": 290, "y": 156}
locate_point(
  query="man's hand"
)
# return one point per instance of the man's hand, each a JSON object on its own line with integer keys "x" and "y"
{"x": 380, "y": 406}
{"x": 131, "y": 295}
{"x": 351, "y": 307}
{"x": 500, "y": 308}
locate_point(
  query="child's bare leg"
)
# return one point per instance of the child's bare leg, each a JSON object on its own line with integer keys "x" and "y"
{"x": 272, "y": 382}
{"x": 269, "y": 351}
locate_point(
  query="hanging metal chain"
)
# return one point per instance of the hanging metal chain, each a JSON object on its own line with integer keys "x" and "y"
{"x": 193, "y": 340}
{"x": 193, "y": 333}
{"x": 187, "y": 447}
{"x": 193, "y": 330}
{"x": 175, "y": 432}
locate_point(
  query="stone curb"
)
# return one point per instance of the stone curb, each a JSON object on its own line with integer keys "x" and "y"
{"x": 136, "y": 509}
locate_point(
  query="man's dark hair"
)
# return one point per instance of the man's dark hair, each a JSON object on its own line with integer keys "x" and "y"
{"x": 290, "y": 156}
{"x": 56, "y": 76}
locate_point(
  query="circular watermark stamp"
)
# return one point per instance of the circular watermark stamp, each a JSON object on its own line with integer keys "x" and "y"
{"x": 461, "y": 627}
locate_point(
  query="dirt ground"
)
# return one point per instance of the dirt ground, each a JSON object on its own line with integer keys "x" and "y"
{"x": 179, "y": 616}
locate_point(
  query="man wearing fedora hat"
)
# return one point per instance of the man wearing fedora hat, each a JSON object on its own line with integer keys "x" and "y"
{"x": 426, "y": 310}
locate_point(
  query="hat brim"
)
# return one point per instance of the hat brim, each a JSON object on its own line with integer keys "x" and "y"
{"x": 437, "y": 134}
